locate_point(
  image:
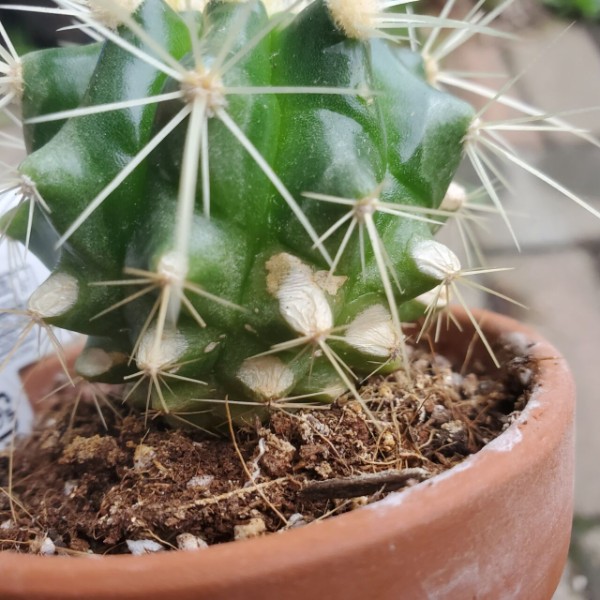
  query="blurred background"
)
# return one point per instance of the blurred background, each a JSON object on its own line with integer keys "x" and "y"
{"x": 557, "y": 272}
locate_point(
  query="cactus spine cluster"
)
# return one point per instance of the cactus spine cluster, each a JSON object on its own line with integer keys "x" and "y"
{"x": 236, "y": 204}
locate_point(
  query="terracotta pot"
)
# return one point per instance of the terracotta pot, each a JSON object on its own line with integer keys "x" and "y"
{"x": 497, "y": 526}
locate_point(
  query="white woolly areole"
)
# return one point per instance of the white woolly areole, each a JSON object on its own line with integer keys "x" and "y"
{"x": 15, "y": 83}
{"x": 93, "y": 362}
{"x": 372, "y": 332}
{"x": 207, "y": 86}
{"x": 432, "y": 69}
{"x": 302, "y": 302}
{"x": 55, "y": 296}
{"x": 266, "y": 376}
{"x": 172, "y": 267}
{"x": 106, "y": 15}
{"x": 435, "y": 260}
{"x": 276, "y": 6}
{"x": 455, "y": 198}
{"x": 354, "y": 17}
{"x": 438, "y": 294}
{"x": 184, "y": 5}
{"x": 334, "y": 391}
{"x": 272, "y": 6}
{"x": 152, "y": 356}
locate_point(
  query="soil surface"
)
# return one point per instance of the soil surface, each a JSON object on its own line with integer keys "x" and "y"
{"x": 119, "y": 483}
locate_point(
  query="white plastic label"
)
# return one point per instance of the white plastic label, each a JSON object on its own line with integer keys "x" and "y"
{"x": 19, "y": 277}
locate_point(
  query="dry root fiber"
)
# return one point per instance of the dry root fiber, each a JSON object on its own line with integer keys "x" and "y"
{"x": 137, "y": 486}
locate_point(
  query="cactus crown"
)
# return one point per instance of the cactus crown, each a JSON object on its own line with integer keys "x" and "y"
{"x": 238, "y": 200}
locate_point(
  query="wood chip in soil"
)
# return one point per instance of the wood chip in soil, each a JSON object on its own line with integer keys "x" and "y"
{"x": 78, "y": 487}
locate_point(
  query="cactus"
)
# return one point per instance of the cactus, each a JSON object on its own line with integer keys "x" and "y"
{"x": 239, "y": 205}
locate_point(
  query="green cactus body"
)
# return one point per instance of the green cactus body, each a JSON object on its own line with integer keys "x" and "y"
{"x": 270, "y": 245}
{"x": 55, "y": 80}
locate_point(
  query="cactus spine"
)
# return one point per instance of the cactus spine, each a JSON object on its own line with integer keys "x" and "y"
{"x": 236, "y": 204}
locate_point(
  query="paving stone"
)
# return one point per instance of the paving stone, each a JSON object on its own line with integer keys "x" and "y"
{"x": 553, "y": 83}
{"x": 481, "y": 55}
{"x": 542, "y": 216}
{"x": 561, "y": 287}
{"x": 588, "y": 544}
{"x": 572, "y": 162}
{"x": 572, "y": 586}
{"x": 565, "y": 75}
{"x": 562, "y": 290}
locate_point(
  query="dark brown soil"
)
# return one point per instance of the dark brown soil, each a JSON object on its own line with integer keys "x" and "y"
{"x": 78, "y": 487}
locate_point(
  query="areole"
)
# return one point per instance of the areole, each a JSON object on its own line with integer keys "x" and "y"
{"x": 496, "y": 526}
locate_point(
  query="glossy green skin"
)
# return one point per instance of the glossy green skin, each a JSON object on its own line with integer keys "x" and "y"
{"x": 55, "y": 80}
{"x": 403, "y": 139}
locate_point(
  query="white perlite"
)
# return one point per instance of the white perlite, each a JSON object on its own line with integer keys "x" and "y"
{"x": 187, "y": 541}
{"x": 302, "y": 301}
{"x": 267, "y": 376}
{"x": 55, "y": 296}
{"x": 70, "y": 486}
{"x": 253, "y": 528}
{"x": 141, "y": 547}
{"x": 435, "y": 260}
{"x": 296, "y": 520}
{"x": 372, "y": 332}
{"x": 200, "y": 482}
{"x": 47, "y": 547}
{"x": 143, "y": 457}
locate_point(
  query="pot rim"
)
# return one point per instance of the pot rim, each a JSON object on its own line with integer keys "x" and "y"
{"x": 530, "y": 438}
